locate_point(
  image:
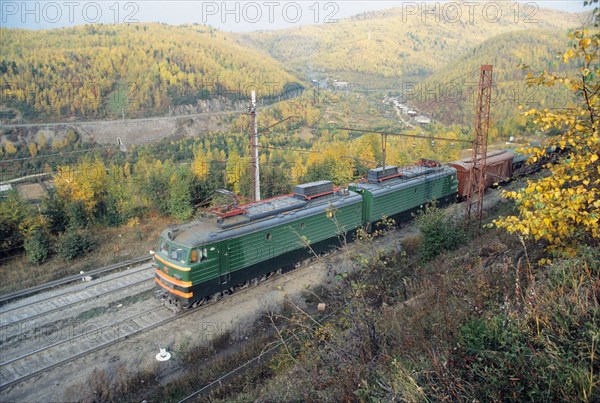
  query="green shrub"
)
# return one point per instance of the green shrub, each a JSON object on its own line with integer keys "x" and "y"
{"x": 74, "y": 243}
{"x": 53, "y": 209}
{"x": 13, "y": 212}
{"x": 438, "y": 233}
{"x": 109, "y": 212}
{"x": 37, "y": 246}
{"x": 546, "y": 352}
{"x": 77, "y": 216}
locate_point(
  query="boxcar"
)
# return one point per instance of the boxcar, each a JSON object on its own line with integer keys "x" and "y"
{"x": 209, "y": 255}
{"x": 499, "y": 168}
{"x": 397, "y": 193}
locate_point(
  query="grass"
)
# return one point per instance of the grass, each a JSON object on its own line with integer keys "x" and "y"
{"x": 124, "y": 302}
{"x": 197, "y": 365}
{"x": 481, "y": 323}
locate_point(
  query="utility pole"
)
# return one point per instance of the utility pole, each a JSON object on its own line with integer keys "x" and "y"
{"x": 254, "y": 150}
{"x": 383, "y": 148}
{"x": 474, "y": 203}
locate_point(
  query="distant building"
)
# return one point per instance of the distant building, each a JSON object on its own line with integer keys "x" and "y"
{"x": 4, "y": 189}
{"x": 422, "y": 120}
{"x": 340, "y": 85}
{"x": 319, "y": 84}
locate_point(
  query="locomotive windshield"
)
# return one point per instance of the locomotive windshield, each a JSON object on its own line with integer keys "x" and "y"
{"x": 172, "y": 251}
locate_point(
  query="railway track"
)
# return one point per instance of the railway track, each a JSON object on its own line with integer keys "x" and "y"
{"x": 38, "y": 306}
{"x": 23, "y": 367}
{"x": 6, "y": 298}
{"x": 30, "y": 364}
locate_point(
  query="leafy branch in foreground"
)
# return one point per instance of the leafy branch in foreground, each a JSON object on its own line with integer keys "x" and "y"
{"x": 564, "y": 207}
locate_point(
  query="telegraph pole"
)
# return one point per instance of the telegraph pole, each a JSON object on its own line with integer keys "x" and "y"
{"x": 254, "y": 150}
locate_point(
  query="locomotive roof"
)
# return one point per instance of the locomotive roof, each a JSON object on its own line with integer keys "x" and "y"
{"x": 409, "y": 176}
{"x": 258, "y": 216}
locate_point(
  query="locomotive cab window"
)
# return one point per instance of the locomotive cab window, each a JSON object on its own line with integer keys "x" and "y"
{"x": 198, "y": 255}
{"x": 201, "y": 254}
{"x": 269, "y": 236}
{"x": 164, "y": 248}
{"x": 179, "y": 254}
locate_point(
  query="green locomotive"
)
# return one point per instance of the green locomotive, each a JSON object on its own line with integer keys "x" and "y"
{"x": 397, "y": 193}
{"x": 210, "y": 255}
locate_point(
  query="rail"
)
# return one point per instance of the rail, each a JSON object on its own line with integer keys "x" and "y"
{"x": 70, "y": 279}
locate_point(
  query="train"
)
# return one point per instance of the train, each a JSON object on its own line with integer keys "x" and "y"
{"x": 238, "y": 244}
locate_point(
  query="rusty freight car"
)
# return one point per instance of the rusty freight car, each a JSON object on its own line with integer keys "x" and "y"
{"x": 499, "y": 168}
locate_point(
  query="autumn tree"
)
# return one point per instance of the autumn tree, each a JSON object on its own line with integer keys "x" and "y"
{"x": 9, "y": 148}
{"x": 236, "y": 170}
{"x": 41, "y": 141}
{"x": 118, "y": 203}
{"x": 563, "y": 208}
{"x": 330, "y": 163}
{"x": 33, "y": 150}
{"x": 201, "y": 162}
{"x": 153, "y": 182}
{"x": 180, "y": 196}
{"x": 84, "y": 183}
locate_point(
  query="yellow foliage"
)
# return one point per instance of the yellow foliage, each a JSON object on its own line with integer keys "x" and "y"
{"x": 9, "y": 147}
{"x": 58, "y": 144}
{"x": 32, "y": 147}
{"x": 200, "y": 165}
{"x": 394, "y": 43}
{"x": 563, "y": 208}
{"x": 133, "y": 222}
{"x": 41, "y": 140}
{"x": 75, "y": 71}
{"x": 298, "y": 170}
{"x": 332, "y": 156}
{"x": 235, "y": 169}
{"x": 84, "y": 182}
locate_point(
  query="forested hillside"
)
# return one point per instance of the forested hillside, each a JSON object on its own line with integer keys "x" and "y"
{"x": 97, "y": 71}
{"x": 450, "y": 94}
{"x": 105, "y": 70}
{"x": 392, "y": 44}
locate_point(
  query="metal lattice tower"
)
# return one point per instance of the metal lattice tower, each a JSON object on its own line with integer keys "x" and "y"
{"x": 474, "y": 203}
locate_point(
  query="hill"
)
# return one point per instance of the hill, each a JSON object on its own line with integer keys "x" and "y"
{"x": 392, "y": 44}
{"x": 107, "y": 70}
{"x": 450, "y": 94}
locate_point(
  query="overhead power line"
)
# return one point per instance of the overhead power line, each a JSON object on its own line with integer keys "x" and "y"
{"x": 414, "y": 136}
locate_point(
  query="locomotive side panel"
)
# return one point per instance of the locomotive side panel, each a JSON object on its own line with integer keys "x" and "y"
{"x": 398, "y": 198}
{"x": 304, "y": 230}
{"x": 404, "y": 199}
